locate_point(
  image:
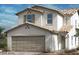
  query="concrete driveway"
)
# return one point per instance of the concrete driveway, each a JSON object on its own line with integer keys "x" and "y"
{"x": 20, "y": 53}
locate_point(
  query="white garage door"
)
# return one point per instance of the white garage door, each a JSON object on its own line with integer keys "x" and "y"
{"x": 28, "y": 43}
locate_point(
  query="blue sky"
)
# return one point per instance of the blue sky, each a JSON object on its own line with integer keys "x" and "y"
{"x": 8, "y": 11}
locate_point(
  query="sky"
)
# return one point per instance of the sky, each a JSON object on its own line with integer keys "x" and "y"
{"x": 8, "y": 11}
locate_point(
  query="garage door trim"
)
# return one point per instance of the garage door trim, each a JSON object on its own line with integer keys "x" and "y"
{"x": 34, "y": 39}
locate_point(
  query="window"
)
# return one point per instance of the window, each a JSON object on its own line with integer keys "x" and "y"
{"x": 67, "y": 19}
{"x": 78, "y": 12}
{"x": 67, "y": 37}
{"x": 78, "y": 41}
{"x": 31, "y": 18}
{"x": 75, "y": 23}
{"x": 67, "y": 40}
{"x": 49, "y": 19}
{"x": 75, "y": 41}
{"x": 72, "y": 40}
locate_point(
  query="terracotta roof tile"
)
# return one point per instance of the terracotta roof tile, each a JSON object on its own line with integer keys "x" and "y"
{"x": 69, "y": 11}
{"x": 66, "y": 28}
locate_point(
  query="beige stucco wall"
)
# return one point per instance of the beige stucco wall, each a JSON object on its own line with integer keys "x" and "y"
{"x": 20, "y": 19}
{"x": 54, "y": 22}
{"x": 32, "y": 31}
{"x": 38, "y": 19}
{"x": 59, "y": 22}
{"x": 73, "y": 43}
{"x": 75, "y": 18}
{"x": 41, "y": 20}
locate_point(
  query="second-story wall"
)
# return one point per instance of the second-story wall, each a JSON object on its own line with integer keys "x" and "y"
{"x": 75, "y": 20}
{"x": 41, "y": 20}
{"x": 38, "y": 18}
{"x": 54, "y": 21}
{"x": 59, "y": 22}
{"x": 20, "y": 19}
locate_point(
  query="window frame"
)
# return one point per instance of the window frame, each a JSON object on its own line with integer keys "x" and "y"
{"x": 32, "y": 19}
{"x": 75, "y": 41}
{"x": 75, "y": 23}
{"x": 72, "y": 40}
{"x": 48, "y": 17}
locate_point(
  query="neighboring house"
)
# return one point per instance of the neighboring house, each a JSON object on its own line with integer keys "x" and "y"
{"x": 41, "y": 29}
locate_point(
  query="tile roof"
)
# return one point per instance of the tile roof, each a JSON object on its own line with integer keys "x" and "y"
{"x": 28, "y": 23}
{"x": 66, "y": 28}
{"x": 29, "y": 9}
{"x": 69, "y": 11}
{"x": 33, "y": 8}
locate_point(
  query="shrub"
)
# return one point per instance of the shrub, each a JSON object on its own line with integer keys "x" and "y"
{"x": 77, "y": 48}
{"x": 69, "y": 51}
{"x": 3, "y": 42}
{"x": 3, "y": 45}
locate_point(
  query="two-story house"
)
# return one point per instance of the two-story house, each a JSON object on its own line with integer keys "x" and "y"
{"x": 42, "y": 29}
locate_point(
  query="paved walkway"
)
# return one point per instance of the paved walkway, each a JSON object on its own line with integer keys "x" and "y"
{"x": 39, "y": 53}
{"x": 20, "y": 53}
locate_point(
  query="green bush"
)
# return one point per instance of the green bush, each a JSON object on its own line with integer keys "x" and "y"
{"x": 3, "y": 43}
{"x": 77, "y": 48}
{"x": 70, "y": 51}
{"x": 3, "y": 40}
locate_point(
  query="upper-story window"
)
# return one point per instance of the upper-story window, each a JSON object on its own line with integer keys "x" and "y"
{"x": 31, "y": 18}
{"x": 67, "y": 19}
{"x": 75, "y": 23}
{"x": 49, "y": 18}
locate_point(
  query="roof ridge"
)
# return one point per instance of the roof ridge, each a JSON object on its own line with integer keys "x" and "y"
{"x": 42, "y": 7}
{"x": 69, "y": 11}
{"x": 69, "y": 8}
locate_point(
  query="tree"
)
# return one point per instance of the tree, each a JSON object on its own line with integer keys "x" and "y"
{"x": 1, "y": 34}
{"x": 77, "y": 32}
{"x": 77, "y": 35}
{"x": 3, "y": 44}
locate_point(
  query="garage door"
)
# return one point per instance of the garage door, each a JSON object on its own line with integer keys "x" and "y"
{"x": 28, "y": 43}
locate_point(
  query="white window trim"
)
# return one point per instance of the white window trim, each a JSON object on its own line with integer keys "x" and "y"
{"x": 47, "y": 20}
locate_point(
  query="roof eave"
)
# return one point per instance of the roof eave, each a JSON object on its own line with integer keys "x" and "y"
{"x": 29, "y": 9}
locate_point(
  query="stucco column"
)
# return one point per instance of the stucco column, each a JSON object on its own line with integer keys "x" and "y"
{"x": 76, "y": 42}
{"x": 9, "y": 43}
{"x": 49, "y": 43}
{"x": 66, "y": 43}
{"x": 56, "y": 42}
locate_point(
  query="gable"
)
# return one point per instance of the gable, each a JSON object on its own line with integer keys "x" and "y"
{"x": 46, "y": 10}
{"x": 27, "y": 30}
{"x": 29, "y": 11}
{"x": 39, "y": 9}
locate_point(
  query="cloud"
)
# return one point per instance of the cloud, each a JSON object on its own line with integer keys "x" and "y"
{"x": 7, "y": 10}
{"x": 7, "y": 14}
{"x": 52, "y": 6}
{"x": 4, "y": 21}
{"x": 10, "y": 10}
{"x": 7, "y": 20}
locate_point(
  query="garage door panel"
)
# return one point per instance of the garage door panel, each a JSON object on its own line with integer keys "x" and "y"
{"x": 28, "y": 43}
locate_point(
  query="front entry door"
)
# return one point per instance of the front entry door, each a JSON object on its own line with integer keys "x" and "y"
{"x": 62, "y": 42}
